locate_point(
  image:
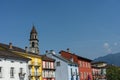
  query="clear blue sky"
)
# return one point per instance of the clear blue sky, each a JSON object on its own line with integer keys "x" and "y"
{"x": 90, "y": 28}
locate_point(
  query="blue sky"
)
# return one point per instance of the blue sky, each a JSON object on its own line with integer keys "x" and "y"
{"x": 90, "y": 28}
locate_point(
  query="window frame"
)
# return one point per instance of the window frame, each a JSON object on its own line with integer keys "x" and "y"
{"x": 12, "y": 72}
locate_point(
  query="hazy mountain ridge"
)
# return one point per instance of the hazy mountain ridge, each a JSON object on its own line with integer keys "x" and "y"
{"x": 110, "y": 59}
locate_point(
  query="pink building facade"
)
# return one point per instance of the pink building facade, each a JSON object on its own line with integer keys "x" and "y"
{"x": 48, "y": 66}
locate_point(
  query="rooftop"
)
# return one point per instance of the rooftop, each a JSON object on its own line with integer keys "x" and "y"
{"x": 79, "y": 57}
{"x": 6, "y": 53}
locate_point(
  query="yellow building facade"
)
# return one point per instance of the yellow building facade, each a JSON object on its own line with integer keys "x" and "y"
{"x": 34, "y": 65}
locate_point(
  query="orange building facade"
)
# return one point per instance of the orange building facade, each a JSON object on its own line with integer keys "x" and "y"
{"x": 85, "y": 70}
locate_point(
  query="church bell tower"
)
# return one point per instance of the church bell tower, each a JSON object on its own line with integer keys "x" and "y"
{"x": 34, "y": 41}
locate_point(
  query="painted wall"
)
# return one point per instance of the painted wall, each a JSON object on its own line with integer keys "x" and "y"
{"x": 63, "y": 70}
{"x": 48, "y": 72}
{"x": 6, "y": 65}
{"x": 85, "y": 69}
{"x": 34, "y": 66}
{"x": 73, "y": 73}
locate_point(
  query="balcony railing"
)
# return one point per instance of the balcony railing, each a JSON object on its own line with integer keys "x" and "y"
{"x": 32, "y": 74}
{"x": 22, "y": 75}
{"x": 31, "y": 63}
{"x": 73, "y": 73}
{"x": 35, "y": 74}
{"x": 37, "y": 64}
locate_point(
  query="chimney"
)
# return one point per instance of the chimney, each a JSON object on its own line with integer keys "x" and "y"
{"x": 68, "y": 50}
{"x": 10, "y": 46}
{"x": 26, "y": 49}
{"x": 52, "y": 51}
{"x": 46, "y": 51}
{"x": 72, "y": 59}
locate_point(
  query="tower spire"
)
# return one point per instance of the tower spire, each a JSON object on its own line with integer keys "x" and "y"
{"x": 33, "y": 30}
{"x": 34, "y": 41}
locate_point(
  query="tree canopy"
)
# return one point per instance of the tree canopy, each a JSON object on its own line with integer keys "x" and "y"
{"x": 113, "y": 73}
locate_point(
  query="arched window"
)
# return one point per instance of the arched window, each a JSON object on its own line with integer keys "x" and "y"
{"x": 33, "y": 44}
{"x": 35, "y": 37}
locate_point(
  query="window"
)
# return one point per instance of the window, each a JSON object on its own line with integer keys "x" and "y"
{"x": 58, "y": 63}
{"x": 49, "y": 64}
{"x": 35, "y": 37}
{"x": 0, "y": 72}
{"x": 76, "y": 74}
{"x": 81, "y": 75}
{"x": 83, "y": 64}
{"x": 71, "y": 71}
{"x": 21, "y": 70}
{"x": 80, "y": 63}
{"x": 12, "y": 61}
{"x": 85, "y": 75}
{"x": 52, "y": 65}
{"x": 33, "y": 44}
{"x": 46, "y": 64}
{"x": 71, "y": 74}
{"x": 43, "y": 74}
{"x": 21, "y": 62}
{"x": 12, "y": 72}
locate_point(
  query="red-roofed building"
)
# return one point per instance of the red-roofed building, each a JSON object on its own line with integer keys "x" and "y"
{"x": 85, "y": 70}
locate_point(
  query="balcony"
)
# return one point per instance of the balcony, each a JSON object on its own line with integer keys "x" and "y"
{"x": 78, "y": 74}
{"x": 32, "y": 74}
{"x": 37, "y": 64}
{"x": 30, "y": 63}
{"x": 73, "y": 73}
{"x": 22, "y": 75}
{"x": 35, "y": 74}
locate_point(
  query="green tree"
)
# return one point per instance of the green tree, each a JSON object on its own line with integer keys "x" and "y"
{"x": 113, "y": 73}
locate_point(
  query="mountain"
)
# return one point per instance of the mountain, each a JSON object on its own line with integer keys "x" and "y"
{"x": 110, "y": 59}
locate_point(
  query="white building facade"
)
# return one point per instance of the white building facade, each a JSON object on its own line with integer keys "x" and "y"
{"x": 65, "y": 69}
{"x": 11, "y": 69}
{"x": 12, "y": 66}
